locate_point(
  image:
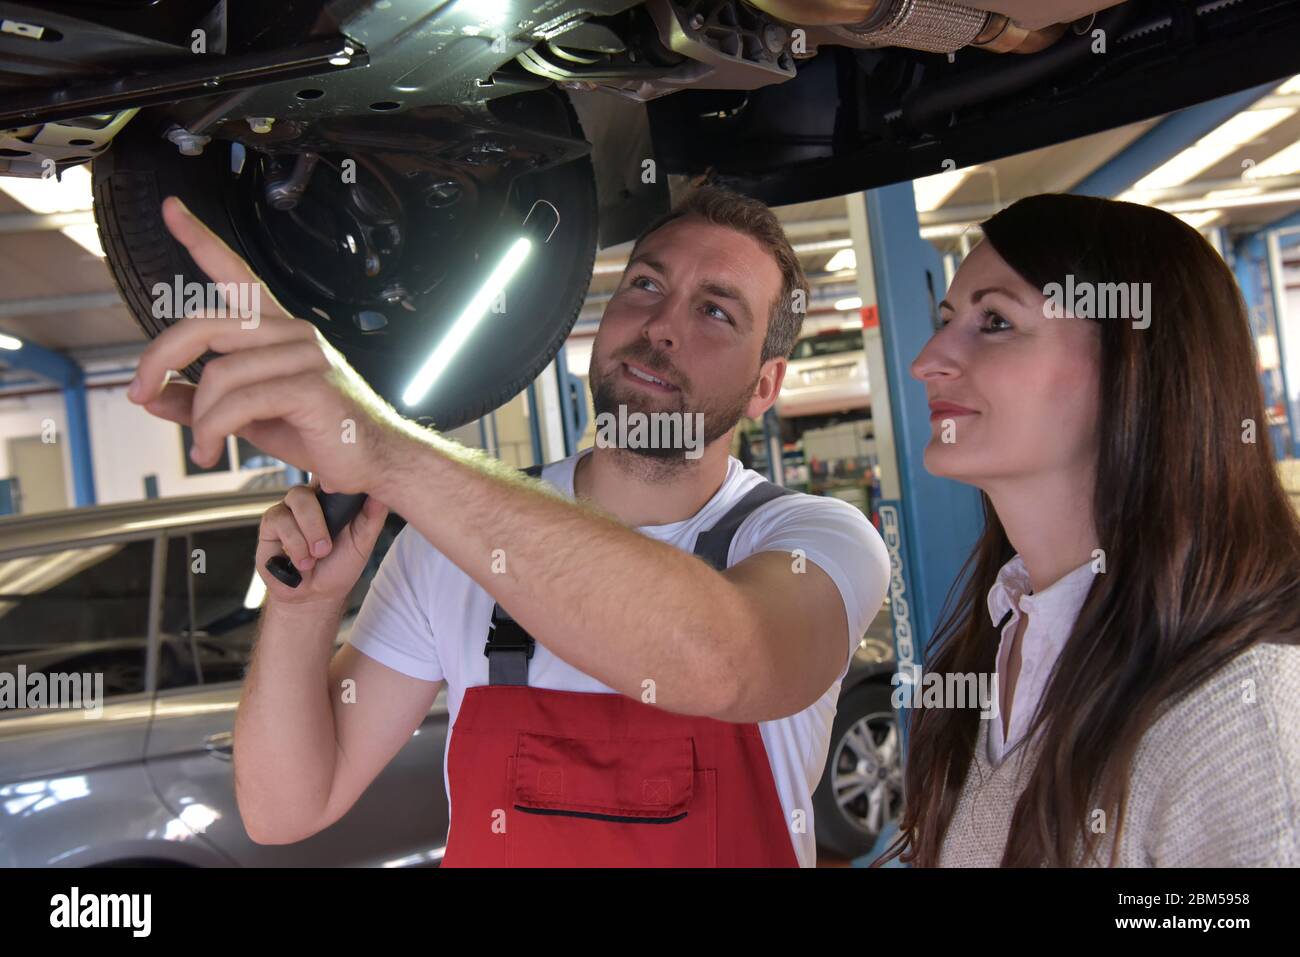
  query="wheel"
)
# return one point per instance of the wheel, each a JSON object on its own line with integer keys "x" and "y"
{"x": 122, "y": 675}
{"x": 861, "y": 790}
{"x": 382, "y": 264}
{"x": 124, "y": 670}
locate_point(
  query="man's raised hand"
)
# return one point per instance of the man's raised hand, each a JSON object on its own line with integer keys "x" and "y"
{"x": 276, "y": 383}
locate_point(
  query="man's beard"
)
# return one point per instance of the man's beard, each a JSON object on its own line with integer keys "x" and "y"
{"x": 608, "y": 392}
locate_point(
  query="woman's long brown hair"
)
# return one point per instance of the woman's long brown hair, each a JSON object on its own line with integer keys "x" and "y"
{"x": 1201, "y": 545}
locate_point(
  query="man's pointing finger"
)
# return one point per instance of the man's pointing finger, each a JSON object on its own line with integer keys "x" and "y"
{"x": 212, "y": 255}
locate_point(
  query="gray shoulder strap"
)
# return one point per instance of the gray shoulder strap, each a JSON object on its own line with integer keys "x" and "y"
{"x": 508, "y": 646}
{"x": 714, "y": 543}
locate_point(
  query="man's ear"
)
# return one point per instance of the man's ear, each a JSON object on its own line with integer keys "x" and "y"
{"x": 770, "y": 376}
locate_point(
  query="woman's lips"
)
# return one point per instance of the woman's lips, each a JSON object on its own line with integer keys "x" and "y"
{"x": 948, "y": 410}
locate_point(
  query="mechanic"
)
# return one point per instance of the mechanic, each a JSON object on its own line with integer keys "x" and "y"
{"x": 644, "y": 676}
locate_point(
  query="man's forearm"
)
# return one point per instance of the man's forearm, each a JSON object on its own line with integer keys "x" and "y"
{"x": 285, "y": 744}
{"x": 613, "y": 603}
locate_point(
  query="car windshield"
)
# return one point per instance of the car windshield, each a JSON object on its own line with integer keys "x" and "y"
{"x": 827, "y": 344}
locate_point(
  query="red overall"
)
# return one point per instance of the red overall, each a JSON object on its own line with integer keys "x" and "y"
{"x": 543, "y": 778}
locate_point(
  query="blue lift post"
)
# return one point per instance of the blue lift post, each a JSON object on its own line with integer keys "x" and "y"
{"x": 534, "y": 424}
{"x": 572, "y": 409}
{"x": 68, "y": 375}
{"x": 1277, "y": 287}
{"x": 933, "y": 526}
{"x": 1254, "y": 259}
{"x": 573, "y": 403}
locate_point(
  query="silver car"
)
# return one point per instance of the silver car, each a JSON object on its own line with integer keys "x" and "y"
{"x": 155, "y": 597}
{"x": 160, "y": 598}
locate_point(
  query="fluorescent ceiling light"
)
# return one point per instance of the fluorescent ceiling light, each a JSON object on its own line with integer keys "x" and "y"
{"x": 1290, "y": 86}
{"x": 468, "y": 320}
{"x": 1235, "y": 192}
{"x": 1202, "y": 219}
{"x": 1244, "y": 128}
{"x": 1270, "y": 198}
{"x": 933, "y": 191}
{"x": 70, "y": 194}
{"x": 1285, "y": 162}
{"x": 843, "y": 260}
{"x": 844, "y": 305}
{"x": 1178, "y": 208}
{"x": 9, "y": 342}
{"x": 947, "y": 230}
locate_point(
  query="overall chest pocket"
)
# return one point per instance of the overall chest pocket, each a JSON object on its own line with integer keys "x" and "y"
{"x": 630, "y": 802}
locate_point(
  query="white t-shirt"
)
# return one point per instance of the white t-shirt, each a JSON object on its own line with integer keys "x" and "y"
{"x": 426, "y": 618}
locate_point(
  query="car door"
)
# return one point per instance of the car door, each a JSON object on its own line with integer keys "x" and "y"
{"x": 209, "y": 622}
{"x": 72, "y": 785}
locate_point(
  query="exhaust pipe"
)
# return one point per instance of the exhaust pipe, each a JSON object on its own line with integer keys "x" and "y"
{"x": 934, "y": 26}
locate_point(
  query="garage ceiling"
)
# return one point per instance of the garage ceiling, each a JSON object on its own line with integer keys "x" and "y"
{"x": 41, "y": 266}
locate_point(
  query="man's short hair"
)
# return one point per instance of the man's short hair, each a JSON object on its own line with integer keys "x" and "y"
{"x": 722, "y": 207}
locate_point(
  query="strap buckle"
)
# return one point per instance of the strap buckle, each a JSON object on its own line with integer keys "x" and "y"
{"x": 508, "y": 636}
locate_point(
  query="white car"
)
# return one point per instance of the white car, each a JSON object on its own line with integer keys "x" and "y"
{"x": 827, "y": 374}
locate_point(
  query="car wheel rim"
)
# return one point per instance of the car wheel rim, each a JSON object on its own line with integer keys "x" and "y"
{"x": 435, "y": 261}
{"x": 867, "y": 777}
{"x": 359, "y": 255}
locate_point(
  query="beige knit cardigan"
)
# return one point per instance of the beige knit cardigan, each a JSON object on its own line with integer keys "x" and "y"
{"x": 1215, "y": 780}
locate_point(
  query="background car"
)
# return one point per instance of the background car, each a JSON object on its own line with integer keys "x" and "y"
{"x": 827, "y": 373}
{"x": 161, "y": 597}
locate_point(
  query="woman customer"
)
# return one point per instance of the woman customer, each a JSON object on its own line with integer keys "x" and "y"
{"x": 1136, "y": 589}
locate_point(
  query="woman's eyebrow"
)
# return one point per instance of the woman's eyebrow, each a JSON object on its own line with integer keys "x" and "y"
{"x": 981, "y": 293}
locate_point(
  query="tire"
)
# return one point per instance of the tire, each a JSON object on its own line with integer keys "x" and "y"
{"x": 840, "y": 834}
{"x": 124, "y": 672}
{"x": 505, "y": 353}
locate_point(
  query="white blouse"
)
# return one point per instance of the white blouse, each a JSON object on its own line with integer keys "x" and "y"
{"x": 1051, "y": 616}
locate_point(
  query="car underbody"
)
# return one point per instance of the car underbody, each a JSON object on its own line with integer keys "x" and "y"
{"x": 454, "y": 118}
